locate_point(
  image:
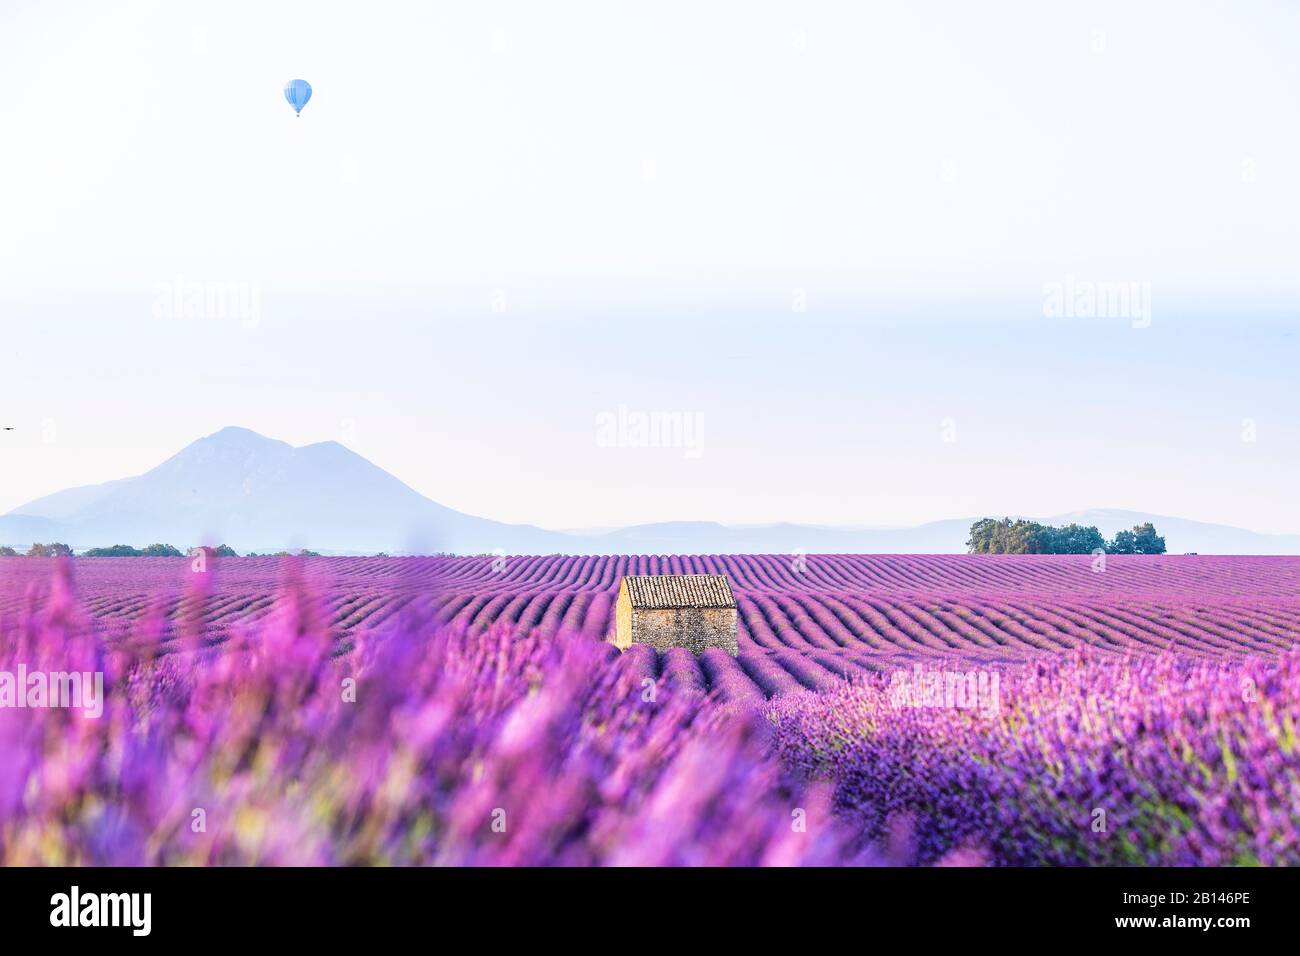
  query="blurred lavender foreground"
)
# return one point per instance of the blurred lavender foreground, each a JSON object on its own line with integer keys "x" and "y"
{"x": 420, "y": 745}
{"x": 293, "y": 741}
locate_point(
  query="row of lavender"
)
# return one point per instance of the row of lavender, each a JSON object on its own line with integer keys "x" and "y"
{"x": 1103, "y": 576}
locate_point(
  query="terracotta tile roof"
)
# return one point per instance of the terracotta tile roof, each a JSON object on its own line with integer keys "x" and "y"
{"x": 679, "y": 590}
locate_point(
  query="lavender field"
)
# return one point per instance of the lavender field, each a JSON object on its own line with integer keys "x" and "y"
{"x": 839, "y": 617}
{"x": 974, "y": 710}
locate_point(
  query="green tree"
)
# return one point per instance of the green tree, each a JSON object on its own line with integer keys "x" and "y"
{"x": 115, "y": 551}
{"x": 220, "y": 551}
{"x": 1141, "y": 540}
{"x": 8, "y": 553}
{"x": 981, "y": 536}
{"x": 1124, "y": 542}
{"x": 1076, "y": 539}
{"x": 162, "y": 551}
{"x": 52, "y": 550}
{"x": 1146, "y": 541}
{"x": 1005, "y": 536}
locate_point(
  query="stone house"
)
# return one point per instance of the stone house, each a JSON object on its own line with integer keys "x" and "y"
{"x": 697, "y": 611}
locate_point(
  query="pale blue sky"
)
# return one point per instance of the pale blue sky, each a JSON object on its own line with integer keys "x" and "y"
{"x": 491, "y": 226}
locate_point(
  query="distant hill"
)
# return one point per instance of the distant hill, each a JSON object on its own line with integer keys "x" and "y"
{"x": 259, "y": 494}
{"x": 936, "y": 537}
{"x": 256, "y": 493}
{"x": 706, "y": 537}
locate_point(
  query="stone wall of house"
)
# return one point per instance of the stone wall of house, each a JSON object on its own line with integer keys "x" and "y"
{"x": 695, "y": 628}
{"x": 622, "y": 636}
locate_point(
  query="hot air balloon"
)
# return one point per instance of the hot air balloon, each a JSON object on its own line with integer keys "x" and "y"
{"x": 297, "y": 92}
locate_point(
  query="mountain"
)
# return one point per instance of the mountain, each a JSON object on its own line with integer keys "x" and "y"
{"x": 258, "y": 494}
{"x": 64, "y": 504}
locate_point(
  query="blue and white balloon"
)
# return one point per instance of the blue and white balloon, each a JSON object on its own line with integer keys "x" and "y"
{"x": 297, "y": 92}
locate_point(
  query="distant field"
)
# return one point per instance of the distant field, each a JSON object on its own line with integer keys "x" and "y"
{"x": 841, "y": 616}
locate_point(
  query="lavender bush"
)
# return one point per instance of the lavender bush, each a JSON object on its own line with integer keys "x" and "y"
{"x": 1153, "y": 761}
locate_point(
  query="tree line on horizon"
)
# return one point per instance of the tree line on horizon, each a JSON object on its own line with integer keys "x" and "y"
{"x": 1019, "y": 536}
{"x": 987, "y": 536}
{"x": 55, "y": 549}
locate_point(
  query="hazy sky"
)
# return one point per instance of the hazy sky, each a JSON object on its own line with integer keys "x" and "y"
{"x": 827, "y": 237}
